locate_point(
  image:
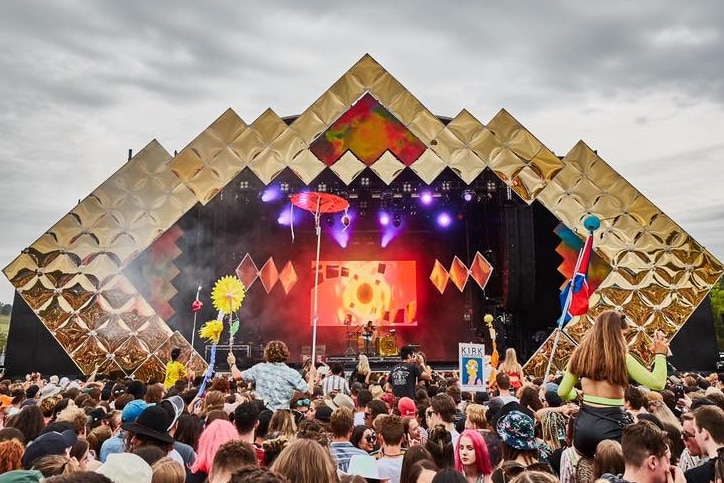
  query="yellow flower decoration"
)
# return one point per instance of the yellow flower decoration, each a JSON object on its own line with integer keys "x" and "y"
{"x": 228, "y": 294}
{"x": 211, "y": 331}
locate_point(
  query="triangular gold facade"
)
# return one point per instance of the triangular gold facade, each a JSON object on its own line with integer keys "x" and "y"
{"x": 72, "y": 276}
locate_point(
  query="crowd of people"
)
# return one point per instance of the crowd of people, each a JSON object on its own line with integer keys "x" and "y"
{"x": 607, "y": 418}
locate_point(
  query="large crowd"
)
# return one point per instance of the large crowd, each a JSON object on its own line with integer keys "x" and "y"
{"x": 606, "y": 419}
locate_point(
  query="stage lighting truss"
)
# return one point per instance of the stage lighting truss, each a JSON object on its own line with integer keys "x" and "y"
{"x": 322, "y": 187}
{"x": 284, "y": 187}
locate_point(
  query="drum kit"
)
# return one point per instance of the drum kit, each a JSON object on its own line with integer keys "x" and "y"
{"x": 384, "y": 346}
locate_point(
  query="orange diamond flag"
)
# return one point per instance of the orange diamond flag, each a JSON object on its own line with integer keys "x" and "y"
{"x": 439, "y": 276}
{"x": 481, "y": 270}
{"x": 459, "y": 273}
{"x": 288, "y": 277}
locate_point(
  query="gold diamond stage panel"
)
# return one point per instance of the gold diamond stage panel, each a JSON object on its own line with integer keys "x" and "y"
{"x": 72, "y": 277}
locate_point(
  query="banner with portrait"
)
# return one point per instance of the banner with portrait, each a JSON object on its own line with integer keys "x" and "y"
{"x": 471, "y": 362}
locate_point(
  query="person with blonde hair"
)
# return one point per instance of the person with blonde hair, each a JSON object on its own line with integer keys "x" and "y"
{"x": 665, "y": 415}
{"x": 604, "y": 365}
{"x": 362, "y": 371}
{"x": 609, "y": 459}
{"x": 53, "y": 465}
{"x": 306, "y": 461}
{"x": 168, "y": 470}
{"x": 513, "y": 369}
{"x": 282, "y": 424}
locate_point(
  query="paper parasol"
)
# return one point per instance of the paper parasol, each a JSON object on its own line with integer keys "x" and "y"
{"x": 319, "y": 202}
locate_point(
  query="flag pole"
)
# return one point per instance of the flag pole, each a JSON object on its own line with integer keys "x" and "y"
{"x": 591, "y": 223}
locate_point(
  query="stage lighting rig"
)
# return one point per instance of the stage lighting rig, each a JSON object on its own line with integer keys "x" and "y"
{"x": 396, "y": 220}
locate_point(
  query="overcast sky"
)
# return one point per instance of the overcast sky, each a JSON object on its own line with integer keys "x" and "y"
{"x": 82, "y": 82}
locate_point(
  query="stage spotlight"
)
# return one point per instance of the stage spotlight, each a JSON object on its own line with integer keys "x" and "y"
{"x": 406, "y": 187}
{"x": 244, "y": 185}
{"x": 384, "y": 218}
{"x": 284, "y": 187}
{"x": 443, "y": 220}
{"x": 468, "y": 195}
{"x": 426, "y": 198}
{"x": 364, "y": 181}
{"x": 396, "y": 220}
{"x": 322, "y": 187}
{"x": 446, "y": 185}
{"x": 270, "y": 194}
{"x": 491, "y": 186}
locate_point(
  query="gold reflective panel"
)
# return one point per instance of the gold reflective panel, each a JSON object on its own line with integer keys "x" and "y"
{"x": 72, "y": 276}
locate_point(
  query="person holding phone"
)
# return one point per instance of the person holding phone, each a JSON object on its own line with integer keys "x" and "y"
{"x": 603, "y": 365}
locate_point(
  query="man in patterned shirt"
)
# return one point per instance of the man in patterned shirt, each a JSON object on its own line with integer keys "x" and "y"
{"x": 274, "y": 381}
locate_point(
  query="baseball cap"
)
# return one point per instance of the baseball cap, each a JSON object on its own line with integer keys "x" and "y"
{"x": 133, "y": 409}
{"x": 51, "y": 443}
{"x": 407, "y": 407}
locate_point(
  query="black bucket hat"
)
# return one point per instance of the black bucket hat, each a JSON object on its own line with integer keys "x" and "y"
{"x": 153, "y": 423}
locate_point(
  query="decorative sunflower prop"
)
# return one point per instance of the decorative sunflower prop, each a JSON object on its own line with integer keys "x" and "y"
{"x": 211, "y": 331}
{"x": 228, "y": 294}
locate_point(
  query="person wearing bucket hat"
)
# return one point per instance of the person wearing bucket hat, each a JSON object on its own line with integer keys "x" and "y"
{"x": 151, "y": 427}
{"x": 49, "y": 390}
{"x": 520, "y": 448}
{"x": 516, "y": 430}
{"x": 340, "y": 401}
{"x": 126, "y": 468}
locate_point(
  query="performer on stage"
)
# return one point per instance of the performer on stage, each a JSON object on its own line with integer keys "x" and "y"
{"x": 368, "y": 332}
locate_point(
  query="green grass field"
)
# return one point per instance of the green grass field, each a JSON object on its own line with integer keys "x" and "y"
{"x": 4, "y": 326}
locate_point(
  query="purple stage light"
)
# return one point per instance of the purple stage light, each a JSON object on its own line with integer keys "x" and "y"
{"x": 270, "y": 194}
{"x": 444, "y": 220}
{"x": 384, "y": 218}
{"x": 426, "y": 198}
{"x": 468, "y": 196}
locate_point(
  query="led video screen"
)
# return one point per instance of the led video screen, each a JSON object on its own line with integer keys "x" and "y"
{"x": 355, "y": 292}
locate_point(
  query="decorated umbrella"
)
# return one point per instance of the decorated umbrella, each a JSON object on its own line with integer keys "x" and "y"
{"x": 318, "y": 203}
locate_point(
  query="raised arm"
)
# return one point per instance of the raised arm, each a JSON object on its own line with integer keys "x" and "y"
{"x": 565, "y": 389}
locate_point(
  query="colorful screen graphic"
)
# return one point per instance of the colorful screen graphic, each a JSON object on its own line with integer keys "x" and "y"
{"x": 357, "y": 292}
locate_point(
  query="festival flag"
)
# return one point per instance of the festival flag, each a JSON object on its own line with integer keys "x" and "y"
{"x": 575, "y": 295}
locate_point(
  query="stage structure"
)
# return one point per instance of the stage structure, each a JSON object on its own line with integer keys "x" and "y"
{"x": 74, "y": 278}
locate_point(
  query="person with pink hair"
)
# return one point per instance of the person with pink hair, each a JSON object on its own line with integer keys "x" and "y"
{"x": 215, "y": 434}
{"x": 472, "y": 458}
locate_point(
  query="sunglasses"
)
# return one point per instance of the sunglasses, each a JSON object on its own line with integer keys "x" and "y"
{"x": 303, "y": 402}
{"x": 371, "y": 438}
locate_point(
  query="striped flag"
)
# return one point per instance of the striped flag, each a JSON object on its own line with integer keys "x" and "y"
{"x": 575, "y": 295}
